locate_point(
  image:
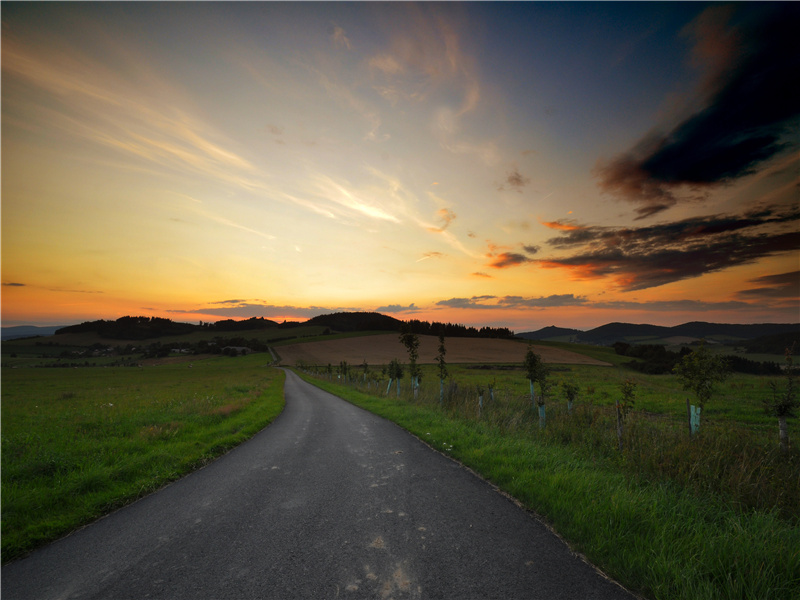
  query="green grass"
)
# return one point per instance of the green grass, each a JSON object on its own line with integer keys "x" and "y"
{"x": 79, "y": 443}
{"x": 669, "y": 517}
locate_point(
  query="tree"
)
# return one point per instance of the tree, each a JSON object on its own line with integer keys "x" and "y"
{"x": 442, "y": 367}
{"x": 535, "y": 370}
{"x": 365, "y": 369}
{"x": 628, "y": 390}
{"x": 699, "y": 372}
{"x": 571, "y": 390}
{"x": 784, "y": 401}
{"x": 395, "y": 373}
{"x": 411, "y": 342}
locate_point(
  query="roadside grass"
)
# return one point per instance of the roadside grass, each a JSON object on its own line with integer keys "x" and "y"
{"x": 79, "y": 443}
{"x": 714, "y": 516}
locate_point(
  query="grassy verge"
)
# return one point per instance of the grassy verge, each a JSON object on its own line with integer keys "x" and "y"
{"x": 79, "y": 443}
{"x": 660, "y": 538}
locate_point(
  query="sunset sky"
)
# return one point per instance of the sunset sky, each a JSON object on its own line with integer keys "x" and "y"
{"x": 512, "y": 164}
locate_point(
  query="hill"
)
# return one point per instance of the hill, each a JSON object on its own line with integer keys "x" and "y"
{"x": 607, "y": 335}
{"x": 357, "y": 321}
{"x": 25, "y": 331}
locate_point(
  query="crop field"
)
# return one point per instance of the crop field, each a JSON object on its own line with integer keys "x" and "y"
{"x": 381, "y": 349}
{"x": 80, "y": 442}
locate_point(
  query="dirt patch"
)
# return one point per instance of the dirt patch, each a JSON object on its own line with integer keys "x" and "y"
{"x": 381, "y": 349}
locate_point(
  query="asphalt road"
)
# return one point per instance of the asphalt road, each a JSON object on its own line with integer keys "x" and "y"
{"x": 329, "y": 501}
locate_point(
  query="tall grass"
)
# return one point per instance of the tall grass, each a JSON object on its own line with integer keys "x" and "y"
{"x": 714, "y": 516}
{"x": 78, "y": 443}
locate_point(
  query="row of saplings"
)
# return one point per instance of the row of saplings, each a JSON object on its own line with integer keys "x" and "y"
{"x": 698, "y": 372}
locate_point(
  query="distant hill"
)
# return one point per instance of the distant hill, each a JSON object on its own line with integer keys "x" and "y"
{"x": 606, "y": 335}
{"x": 357, "y": 321}
{"x": 23, "y": 331}
{"x": 550, "y": 333}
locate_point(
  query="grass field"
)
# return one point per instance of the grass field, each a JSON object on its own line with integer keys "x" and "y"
{"x": 671, "y": 516}
{"x": 78, "y": 443}
{"x": 714, "y": 516}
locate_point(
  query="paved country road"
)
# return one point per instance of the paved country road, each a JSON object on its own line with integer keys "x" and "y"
{"x": 329, "y": 501}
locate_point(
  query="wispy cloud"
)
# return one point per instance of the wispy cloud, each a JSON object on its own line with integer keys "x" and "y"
{"x": 445, "y": 216}
{"x": 750, "y": 99}
{"x": 339, "y": 37}
{"x": 100, "y": 105}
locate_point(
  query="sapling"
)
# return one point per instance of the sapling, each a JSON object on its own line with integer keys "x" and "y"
{"x": 699, "y": 372}
{"x": 784, "y": 401}
{"x": 411, "y": 342}
{"x": 396, "y": 374}
{"x": 628, "y": 390}
{"x": 571, "y": 390}
{"x": 534, "y": 369}
{"x": 442, "y": 367}
{"x": 544, "y": 387}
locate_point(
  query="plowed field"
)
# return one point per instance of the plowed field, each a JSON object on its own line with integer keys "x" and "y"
{"x": 381, "y": 349}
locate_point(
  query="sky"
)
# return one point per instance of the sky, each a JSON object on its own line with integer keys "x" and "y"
{"x": 513, "y": 165}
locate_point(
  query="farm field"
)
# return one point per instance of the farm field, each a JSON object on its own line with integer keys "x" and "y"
{"x": 80, "y": 442}
{"x": 381, "y": 349}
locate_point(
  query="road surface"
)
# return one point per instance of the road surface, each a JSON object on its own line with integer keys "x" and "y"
{"x": 329, "y": 501}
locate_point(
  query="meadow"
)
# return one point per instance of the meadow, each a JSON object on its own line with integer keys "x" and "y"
{"x": 78, "y": 443}
{"x": 671, "y": 515}
{"x": 714, "y": 515}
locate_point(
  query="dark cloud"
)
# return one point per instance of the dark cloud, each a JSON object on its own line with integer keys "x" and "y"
{"x": 12, "y": 284}
{"x": 482, "y": 302}
{"x": 782, "y": 285}
{"x": 508, "y": 259}
{"x": 474, "y": 302}
{"x": 397, "y": 308}
{"x": 514, "y": 180}
{"x": 530, "y": 249}
{"x": 542, "y": 301}
{"x": 482, "y": 274}
{"x": 639, "y": 258}
{"x": 234, "y": 309}
{"x": 751, "y": 101}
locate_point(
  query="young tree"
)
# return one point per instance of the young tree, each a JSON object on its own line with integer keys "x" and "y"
{"x": 442, "y": 367}
{"x": 365, "y": 369}
{"x": 571, "y": 390}
{"x": 533, "y": 369}
{"x": 396, "y": 374}
{"x": 628, "y": 390}
{"x": 699, "y": 372}
{"x": 411, "y": 342}
{"x": 784, "y": 401}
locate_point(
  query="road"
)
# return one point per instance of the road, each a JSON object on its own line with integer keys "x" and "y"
{"x": 329, "y": 501}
